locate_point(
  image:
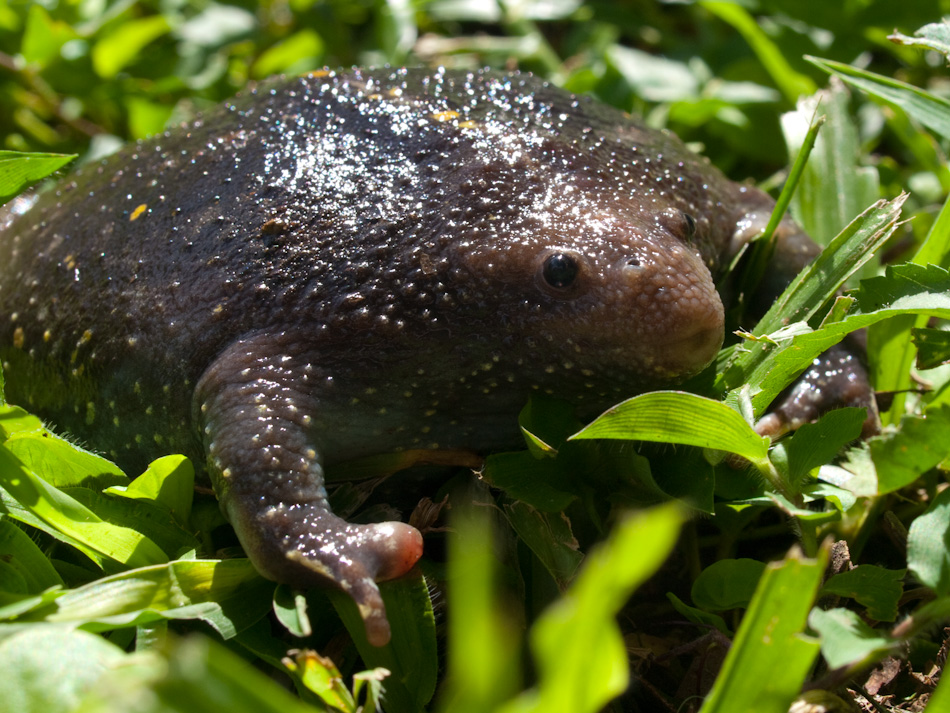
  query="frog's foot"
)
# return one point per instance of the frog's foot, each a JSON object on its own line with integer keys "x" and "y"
{"x": 257, "y": 404}
{"x": 307, "y": 545}
{"x": 836, "y": 379}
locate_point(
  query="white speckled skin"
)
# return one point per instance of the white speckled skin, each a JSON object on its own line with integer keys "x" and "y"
{"x": 345, "y": 264}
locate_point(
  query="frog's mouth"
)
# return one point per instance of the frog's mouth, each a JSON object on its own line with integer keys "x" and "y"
{"x": 686, "y": 354}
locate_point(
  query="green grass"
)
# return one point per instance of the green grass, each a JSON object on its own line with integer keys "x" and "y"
{"x": 580, "y": 574}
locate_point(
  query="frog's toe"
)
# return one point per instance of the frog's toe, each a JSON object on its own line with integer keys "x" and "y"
{"x": 836, "y": 379}
{"x": 306, "y": 546}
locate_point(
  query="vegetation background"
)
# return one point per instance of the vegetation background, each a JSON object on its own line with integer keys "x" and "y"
{"x": 115, "y": 597}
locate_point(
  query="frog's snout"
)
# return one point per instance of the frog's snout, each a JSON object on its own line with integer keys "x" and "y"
{"x": 680, "y": 315}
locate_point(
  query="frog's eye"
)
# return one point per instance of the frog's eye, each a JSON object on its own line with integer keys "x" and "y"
{"x": 560, "y": 270}
{"x": 690, "y": 226}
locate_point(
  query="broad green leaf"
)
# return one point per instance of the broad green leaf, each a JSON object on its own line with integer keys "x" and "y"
{"x": 50, "y": 669}
{"x": 124, "y": 44}
{"x": 578, "y": 649}
{"x": 846, "y": 639}
{"x": 227, "y": 594}
{"x": 21, "y": 552}
{"x": 63, "y": 513}
{"x": 928, "y": 545}
{"x": 929, "y": 109}
{"x": 679, "y": 417}
{"x": 874, "y": 587}
{"x": 770, "y": 655}
{"x": 19, "y": 170}
{"x": 727, "y": 584}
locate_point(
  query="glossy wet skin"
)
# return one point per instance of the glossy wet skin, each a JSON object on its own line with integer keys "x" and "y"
{"x": 340, "y": 265}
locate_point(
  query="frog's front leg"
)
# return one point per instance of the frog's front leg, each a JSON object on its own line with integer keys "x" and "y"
{"x": 257, "y": 404}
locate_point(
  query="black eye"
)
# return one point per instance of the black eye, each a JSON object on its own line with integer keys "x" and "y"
{"x": 690, "y": 226}
{"x": 560, "y": 270}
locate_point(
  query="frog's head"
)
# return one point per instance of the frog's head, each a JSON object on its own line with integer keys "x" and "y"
{"x": 610, "y": 297}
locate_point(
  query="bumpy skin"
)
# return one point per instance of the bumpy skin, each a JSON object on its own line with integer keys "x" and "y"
{"x": 346, "y": 264}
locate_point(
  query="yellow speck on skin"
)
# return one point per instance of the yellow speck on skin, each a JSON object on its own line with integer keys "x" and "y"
{"x": 158, "y": 438}
{"x": 47, "y": 335}
{"x": 218, "y": 309}
{"x": 226, "y": 473}
{"x": 318, "y": 73}
{"x": 84, "y": 339}
{"x": 138, "y": 211}
{"x": 90, "y": 413}
{"x": 469, "y": 124}
{"x": 447, "y": 115}
{"x": 138, "y": 438}
{"x": 18, "y": 338}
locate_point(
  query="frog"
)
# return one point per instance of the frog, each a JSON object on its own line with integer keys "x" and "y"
{"x": 349, "y": 263}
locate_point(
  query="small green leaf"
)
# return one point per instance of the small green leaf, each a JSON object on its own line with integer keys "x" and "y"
{"x": 411, "y": 654}
{"x": 549, "y": 537}
{"x": 290, "y": 607}
{"x": 43, "y": 37}
{"x": 63, "y": 513}
{"x": 540, "y": 483}
{"x": 124, "y": 44}
{"x": 874, "y": 587}
{"x": 320, "y": 675}
{"x": 227, "y": 594}
{"x": 698, "y": 616}
{"x": 770, "y": 656}
{"x": 679, "y": 417}
{"x": 918, "y": 444}
{"x": 580, "y": 655}
{"x": 815, "y": 444}
{"x": 21, "y": 552}
{"x": 19, "y": 170}
{"x": 845, "y": 639}
{"x": 933, "y": 347}
{"x": 298, "y": 53}
{"x": 935, "y": 36}
{"x": 727, "y": 584}
{"x": 169, "y": 481}
{"x": 928, "y": 545}
{"x": 793, "y": 84}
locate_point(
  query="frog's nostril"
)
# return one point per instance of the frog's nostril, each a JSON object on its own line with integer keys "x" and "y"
{"x": 633, "y": 262}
